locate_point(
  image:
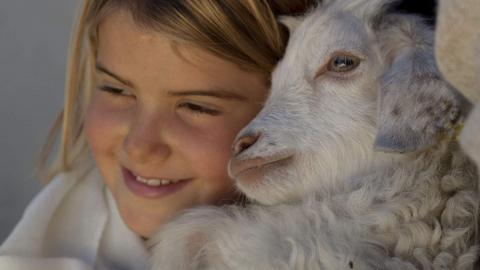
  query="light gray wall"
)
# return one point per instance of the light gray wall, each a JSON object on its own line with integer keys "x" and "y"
{"x": 34, "y": 37}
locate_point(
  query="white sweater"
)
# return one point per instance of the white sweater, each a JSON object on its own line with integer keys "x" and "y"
{"x": 73, "y": 224}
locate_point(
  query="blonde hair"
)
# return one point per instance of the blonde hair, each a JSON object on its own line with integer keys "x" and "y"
{"x": 244, "y": 32}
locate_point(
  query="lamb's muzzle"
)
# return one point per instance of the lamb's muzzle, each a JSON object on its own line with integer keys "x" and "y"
{"x": 244, "y": 141}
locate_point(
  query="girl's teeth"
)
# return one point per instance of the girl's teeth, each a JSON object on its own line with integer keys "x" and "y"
{"x": 165, "y": 182}
{"x": 155, "y": 182}
{"x": 140, "y": 179}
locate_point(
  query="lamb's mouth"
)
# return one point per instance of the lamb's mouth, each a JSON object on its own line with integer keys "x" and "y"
{"x": 257, "y": 167}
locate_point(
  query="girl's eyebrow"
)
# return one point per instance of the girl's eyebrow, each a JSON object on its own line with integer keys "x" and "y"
{"x": 218, "y": 93}
{"x": 105, "y": 70}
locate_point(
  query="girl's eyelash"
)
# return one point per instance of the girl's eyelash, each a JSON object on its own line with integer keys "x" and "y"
{"x": 113, "y": 90}
{"x": 195, "y": 108}
{"x": 198, "y": 109}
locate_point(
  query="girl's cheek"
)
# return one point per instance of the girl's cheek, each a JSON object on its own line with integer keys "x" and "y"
{"x": 213, "y": 142}
{"x": 103, "y": 126}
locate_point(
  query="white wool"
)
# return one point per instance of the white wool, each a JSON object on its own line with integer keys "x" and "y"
{"x": 338, "y": 202}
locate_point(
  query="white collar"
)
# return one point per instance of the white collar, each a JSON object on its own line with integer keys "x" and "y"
{"x": 74, "y": 216}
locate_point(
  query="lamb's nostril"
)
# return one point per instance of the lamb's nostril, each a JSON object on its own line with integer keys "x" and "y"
{"x": 244, "y": 142}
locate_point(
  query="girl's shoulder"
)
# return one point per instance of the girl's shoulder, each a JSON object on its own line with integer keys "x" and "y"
{"x": 28, "y": 263}
{"x": 73, "y": 218}
{"x": 58, "y": 222}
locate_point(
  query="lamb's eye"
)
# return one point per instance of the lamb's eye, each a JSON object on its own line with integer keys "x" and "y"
{"x": 343, "y": 63}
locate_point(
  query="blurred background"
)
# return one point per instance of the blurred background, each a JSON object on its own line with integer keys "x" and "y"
{"x": 34, "y": 37}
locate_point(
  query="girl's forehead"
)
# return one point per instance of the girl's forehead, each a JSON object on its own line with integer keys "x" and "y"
{"x": 119, "y": 32}
{"x": 121, "y": 21}
{"x": 148, "y": 59}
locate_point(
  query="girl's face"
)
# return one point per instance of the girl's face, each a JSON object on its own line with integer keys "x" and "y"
{"x": 166, "y": 116}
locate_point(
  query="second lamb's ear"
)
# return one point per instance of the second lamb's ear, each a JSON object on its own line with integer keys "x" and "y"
{"x": 416, "y": 109}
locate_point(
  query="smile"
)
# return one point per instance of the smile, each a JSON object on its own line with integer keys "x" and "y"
{"x": 157, "y": 182}
{"x": 152, "y": 188}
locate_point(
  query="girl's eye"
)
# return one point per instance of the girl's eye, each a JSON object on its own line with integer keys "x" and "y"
{"x": 115, "y": 91}
{"x": 343, "y": 63}
{"x": 198, "y": 109}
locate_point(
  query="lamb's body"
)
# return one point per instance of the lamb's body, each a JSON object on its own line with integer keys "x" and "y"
{"x": 423, "y": 211}
{"x": 328, "y": 200}
{"x": 308, "y": 235}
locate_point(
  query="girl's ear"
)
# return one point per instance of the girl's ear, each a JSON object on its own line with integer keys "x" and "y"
{"x": 291, "y": 22}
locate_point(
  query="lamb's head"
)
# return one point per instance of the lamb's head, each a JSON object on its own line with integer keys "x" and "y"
{"x": 318, "y": 123}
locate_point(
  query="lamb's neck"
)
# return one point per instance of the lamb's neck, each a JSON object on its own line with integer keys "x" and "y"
{"x": 382, "y": 163}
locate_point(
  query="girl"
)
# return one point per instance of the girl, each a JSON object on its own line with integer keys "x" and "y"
{"x": 156, "y": 91}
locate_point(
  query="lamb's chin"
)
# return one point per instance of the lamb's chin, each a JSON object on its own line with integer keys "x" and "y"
{"x": 270, "y": 184}
{"x": 257, "y": 174}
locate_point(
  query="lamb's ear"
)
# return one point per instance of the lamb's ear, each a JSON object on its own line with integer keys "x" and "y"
{"x": 367, "y": 10}
{"x": 291, "y": 22}
{"x": 416, "y": 108}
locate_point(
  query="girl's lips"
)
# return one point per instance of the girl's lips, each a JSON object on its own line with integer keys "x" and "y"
{"x": 151, "y": 192}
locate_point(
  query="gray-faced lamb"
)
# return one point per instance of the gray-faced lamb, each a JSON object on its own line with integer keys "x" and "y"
{"x": 351, "y": 164}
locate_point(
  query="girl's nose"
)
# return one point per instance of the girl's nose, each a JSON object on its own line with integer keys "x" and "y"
{"x": 144, "y": 143}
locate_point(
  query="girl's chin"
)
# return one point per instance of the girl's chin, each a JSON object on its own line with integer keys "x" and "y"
{"x": 145, "y": 220}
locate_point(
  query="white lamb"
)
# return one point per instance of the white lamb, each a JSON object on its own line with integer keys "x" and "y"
{"x": 355, "y": 84}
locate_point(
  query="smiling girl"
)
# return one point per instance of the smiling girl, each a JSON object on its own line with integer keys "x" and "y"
{"x": 156, "y": 92}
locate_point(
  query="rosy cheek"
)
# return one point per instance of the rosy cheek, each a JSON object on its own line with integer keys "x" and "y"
{"x": 103, "y": 126}
{"x": 216, "y": 144}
